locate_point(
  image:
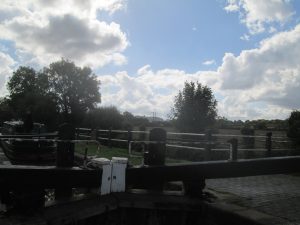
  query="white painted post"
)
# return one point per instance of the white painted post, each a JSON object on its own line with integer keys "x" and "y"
{"x": 118, "y": 174}
{"x": 106, "y": 174}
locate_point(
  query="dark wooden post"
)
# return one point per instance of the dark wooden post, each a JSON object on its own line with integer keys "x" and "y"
{"x": 96, "y": 134}
{"x": 208, "y": 145}
{"x": 233, "y": 149}
{"x": 157, "y": 149}
{"x": 156, "y": 153}
{"x": 65, "y": 155}
{"x": 77, "y": 134}
{"x": 109, "y": 138}
{"x": 269, "y": 143}
{"x": 194, "y": 187}
{"x": 129, "y": 138}
{"x": 93, "y": 134}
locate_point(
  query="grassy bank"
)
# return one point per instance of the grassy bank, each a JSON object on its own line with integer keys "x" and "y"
{"x": 106, "y": 152}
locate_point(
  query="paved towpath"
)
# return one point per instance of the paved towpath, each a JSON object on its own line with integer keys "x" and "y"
{"x": 275, "y": 195}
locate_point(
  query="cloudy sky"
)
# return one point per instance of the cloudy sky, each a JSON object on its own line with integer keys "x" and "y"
{"x": 247, "y": 51}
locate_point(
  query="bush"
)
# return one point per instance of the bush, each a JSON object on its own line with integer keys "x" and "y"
{"x": 294, "y": 127}
{"x": 248, "y": 141}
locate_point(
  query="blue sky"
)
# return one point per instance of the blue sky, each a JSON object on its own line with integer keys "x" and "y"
{"x": 144, "y": 51}
{"x": 177, "y": 34}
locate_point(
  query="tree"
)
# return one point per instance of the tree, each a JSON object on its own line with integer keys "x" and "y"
{"x": 28, "y": 94}
{"x": 104, "y": 118}
{"x": 131, "y": 121}
{"x": 194, "y": 108}
{"x": 6, "y": 112}
{"x": 23, "y": 80}
{"x": 294, "y": 127}
{"x": 61, "y": 88}
{"x": 75, "y": 89}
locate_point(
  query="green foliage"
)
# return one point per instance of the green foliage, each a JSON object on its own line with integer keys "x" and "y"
{"x": 261, "y": 124}
{"x": 131, "y": 121}
{"x": 75, "y": 89}
{"x": 248, "y": 141}
{"x": 61, "y": 88}
{"x": 6, "y": 112}
{"x": 194, "y": 108}
{"x": 24, "y": 80}
{"x": 28, "y": 94}
{"x": 294, "y": 127}
{"x": 106, "y": 152}
{"x": 104, "y": 118}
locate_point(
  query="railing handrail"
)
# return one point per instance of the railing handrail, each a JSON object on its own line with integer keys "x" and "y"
{"x": 188, "y": 134}
{"x": 54, "y": 134}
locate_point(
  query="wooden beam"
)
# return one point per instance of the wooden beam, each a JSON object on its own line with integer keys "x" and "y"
{"x": 213, "y": 169}
{"x": 22, "y": 177}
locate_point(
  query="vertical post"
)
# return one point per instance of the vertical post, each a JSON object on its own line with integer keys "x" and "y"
{"x": 269, "y": 143}
{"x": 233, "y": 149}
{"x": 109, "y": 138}
{"x": 157, "y": 148}
{"x": 96, "y": 134}
{"x": 65, "y": 155}
{"x": 77, "y": 134}
{"x": 156, "y": 153}
{"x": 208, "y": 145}
{"x": 93, "y": 134}
{"x": 129, "y": 138}
{"x": 195, "y": 186}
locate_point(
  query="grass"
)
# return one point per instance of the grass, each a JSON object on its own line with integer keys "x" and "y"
{"x": 106, "y": 152}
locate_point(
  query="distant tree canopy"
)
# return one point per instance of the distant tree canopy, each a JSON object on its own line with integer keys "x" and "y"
{"x": 75, "y": 89}
{"x": 27, "y": 93}
{"x": 260, "y": 124}
{"x": 294, "y": 127}
{"x": 6, "y": 112}
{"x": 104, "y": 118}
{"x": 60, "y": 89}
{"x": 194, "y": 108}
{"x": 130, "y": 120}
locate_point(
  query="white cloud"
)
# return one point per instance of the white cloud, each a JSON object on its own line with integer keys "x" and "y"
{"x": 149, "y": 90}
{"x": 48, "y": 30}
{"x": 245, "y": 37}
{"x": 267, "y": 77}
{"x": 6, "y": 63}
{"x": 209, "y": 62}
{"x": 257, "y": 14}
{"x": 258, "y": 83}
{"x": 232, "y": 6}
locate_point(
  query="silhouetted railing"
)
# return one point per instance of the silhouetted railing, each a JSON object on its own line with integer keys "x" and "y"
{"x": 197, "y": 146}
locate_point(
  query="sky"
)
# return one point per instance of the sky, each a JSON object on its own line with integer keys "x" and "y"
{"x": 246, "y": 51}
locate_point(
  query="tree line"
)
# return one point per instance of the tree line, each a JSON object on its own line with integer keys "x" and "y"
{"x": 64, "y": 92}
{"x": 61, "y": 92}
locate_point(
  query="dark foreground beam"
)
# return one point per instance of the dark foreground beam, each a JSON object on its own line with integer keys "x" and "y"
{"x": 20, "y": 177}
{"x": 213, "y": 169}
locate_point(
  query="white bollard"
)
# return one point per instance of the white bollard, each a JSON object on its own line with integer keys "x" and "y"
{"x": 106, "y": 174}
{"x": 118, "y": 174}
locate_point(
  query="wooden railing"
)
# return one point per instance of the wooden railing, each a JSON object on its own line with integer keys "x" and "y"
{"x": 64, "y": 176}
{"x": 212, "y": 146}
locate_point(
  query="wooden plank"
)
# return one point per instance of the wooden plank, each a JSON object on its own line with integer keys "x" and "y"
{"x": 213, "y": 169}
{"x": 21, "y": 177}
{"x": 27, "y": 136}
{"x": 79, "y": 209}
{"x": 67, "y": 212}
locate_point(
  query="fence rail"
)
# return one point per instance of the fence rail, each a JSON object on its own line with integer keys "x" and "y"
{"x": 64, "y": 176}
{"x": 205, "y": 142}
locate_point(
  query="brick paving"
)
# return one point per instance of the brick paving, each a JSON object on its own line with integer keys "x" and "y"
{"x": 276, "y": 195}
